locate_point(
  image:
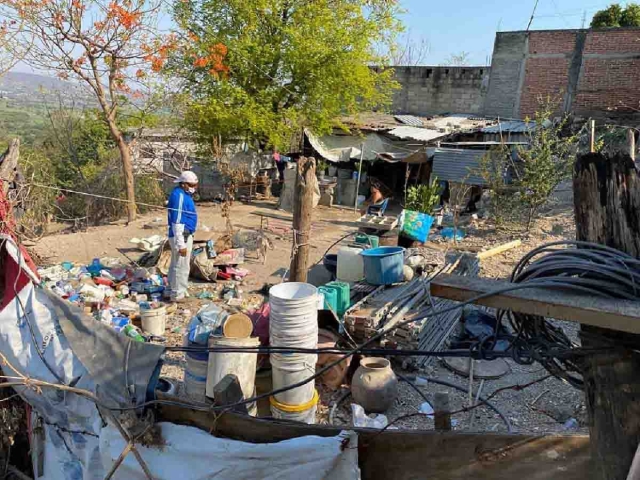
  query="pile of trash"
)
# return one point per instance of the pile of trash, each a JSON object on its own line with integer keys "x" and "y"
{"x": 111, "y": 292}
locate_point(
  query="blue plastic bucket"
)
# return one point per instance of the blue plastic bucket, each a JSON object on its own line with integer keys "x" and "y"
{"x": 383, "y": 265}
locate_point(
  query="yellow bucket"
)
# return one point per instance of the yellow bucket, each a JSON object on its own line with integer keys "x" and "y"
{"x": 305, "y": 413}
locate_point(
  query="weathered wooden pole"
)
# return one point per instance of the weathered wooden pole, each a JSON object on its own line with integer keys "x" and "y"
{"x": 607, "y": 210}
{"x": 441, "y": 412}
{"x": 9, "y": 164}
{"x": 302, "y": 211}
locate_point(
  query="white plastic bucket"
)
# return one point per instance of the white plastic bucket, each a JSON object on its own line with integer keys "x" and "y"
{"x": 289, "y": 369}
{"x": 154, "y": 321}
{"x": 195, "y": 378}
{"x": 293, "y": 321}
{"x": 240, "y": 364}
{"x": 305, "y": 413}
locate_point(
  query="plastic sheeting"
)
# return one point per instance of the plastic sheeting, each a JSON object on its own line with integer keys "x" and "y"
{"x": 191, "y": 454}
{"x": 71, "y": 441}
{"x": 70, "y": 423}
{"x": 343, "y": 148}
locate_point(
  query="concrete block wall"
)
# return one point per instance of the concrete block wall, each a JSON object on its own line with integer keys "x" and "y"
{"x": 589, "y": 72}
{"x": 428, "y": 90}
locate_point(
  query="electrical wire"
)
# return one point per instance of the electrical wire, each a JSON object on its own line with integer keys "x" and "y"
{"x": 598, "y": 270}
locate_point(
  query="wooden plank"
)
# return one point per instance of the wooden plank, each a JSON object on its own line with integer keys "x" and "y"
{"x": 499, "y": 249}
{"x": 418, "y": 454}
{"x": 622, "y": 315}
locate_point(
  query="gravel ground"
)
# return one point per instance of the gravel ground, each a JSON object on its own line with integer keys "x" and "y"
{"x": 555, "y": 401}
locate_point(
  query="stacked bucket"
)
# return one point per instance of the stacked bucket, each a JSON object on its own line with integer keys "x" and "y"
{"x": 293, "y": 323}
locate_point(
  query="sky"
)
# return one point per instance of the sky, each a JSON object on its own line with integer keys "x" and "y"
{"x": 454, "y": 26}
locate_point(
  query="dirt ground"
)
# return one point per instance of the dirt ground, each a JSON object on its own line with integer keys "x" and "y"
{"x": 541, "y": 408}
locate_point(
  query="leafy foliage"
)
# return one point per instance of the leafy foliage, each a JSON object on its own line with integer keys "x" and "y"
{"x": 615, "y": 16}
{"x": 520, "y": 188}
{"x": 423, "y": 198}
{"x": 263, "y": 70}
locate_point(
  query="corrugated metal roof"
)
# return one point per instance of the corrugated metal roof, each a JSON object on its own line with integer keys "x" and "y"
{"x": 415, "y": 133}
{"x": 409, "y": 120}
{"x": 457, "y": 165}
{"x": 511, "y": 126}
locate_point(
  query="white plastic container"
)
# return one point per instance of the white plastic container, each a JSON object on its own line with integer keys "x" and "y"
{"x": 305, "y": 413}
{"x": 350, "y": 264}
{"x": 154, "y": 321}
{"x": 240, "y": 364}
{"x": 195, "y": 378}
{"x": 289, "y": 369}
{"x": 293, "y": 320}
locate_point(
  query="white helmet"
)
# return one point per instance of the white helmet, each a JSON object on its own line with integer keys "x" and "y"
{"x": 186, "y": 177}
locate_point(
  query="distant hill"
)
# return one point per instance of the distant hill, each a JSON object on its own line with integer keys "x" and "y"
{"x": 32, "y": 89}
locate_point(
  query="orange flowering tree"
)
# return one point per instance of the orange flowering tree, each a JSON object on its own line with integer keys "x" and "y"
{"x": 113, "y": 46}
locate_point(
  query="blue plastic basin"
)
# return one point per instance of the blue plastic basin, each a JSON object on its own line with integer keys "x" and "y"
{"x": 383, "y": 265}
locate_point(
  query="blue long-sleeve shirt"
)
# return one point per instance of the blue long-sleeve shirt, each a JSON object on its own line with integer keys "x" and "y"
{"x": 181, "y": 210}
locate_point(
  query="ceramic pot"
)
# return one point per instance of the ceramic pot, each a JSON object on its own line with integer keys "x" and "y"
{"x": 374, "y": 385}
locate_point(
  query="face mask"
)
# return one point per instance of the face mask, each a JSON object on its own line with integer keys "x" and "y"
{"x": 191, "y": 190}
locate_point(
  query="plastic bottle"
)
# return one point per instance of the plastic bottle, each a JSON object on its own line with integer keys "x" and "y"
{"x": 131, "y": 332}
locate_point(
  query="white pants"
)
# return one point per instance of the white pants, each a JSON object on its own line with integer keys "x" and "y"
{"x": 179, "y": 269}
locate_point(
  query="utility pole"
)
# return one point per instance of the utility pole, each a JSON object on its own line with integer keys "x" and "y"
{"x": 607, "y": 201}
{"x": 302, "y": 212}
{"x": 584, "y": 18}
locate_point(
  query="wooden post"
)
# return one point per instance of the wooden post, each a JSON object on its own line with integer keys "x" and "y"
{"x": 607, "y": 202}
{"x": 9, "y": 164}
{"x": 441, "y": 412}
{"x": 631, "y": 135}
{"x": 302, "y": 211}
{"x": 592, "y": 123}
{"x": 355, "y": 203}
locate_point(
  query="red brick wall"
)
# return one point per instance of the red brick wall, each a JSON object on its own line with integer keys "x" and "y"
{"x": 613, "y": 41}
{"x": 608, "y": 84}
{"x": 544, "y": 77}
{"x": 609, "y": 78}
{"x": 560, "y": 41}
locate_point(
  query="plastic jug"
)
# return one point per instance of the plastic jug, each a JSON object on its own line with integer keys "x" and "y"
{"x": 350, "y": 264}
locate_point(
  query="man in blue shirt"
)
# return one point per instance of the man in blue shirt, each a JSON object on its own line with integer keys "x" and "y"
{"x": 183, "y": 220}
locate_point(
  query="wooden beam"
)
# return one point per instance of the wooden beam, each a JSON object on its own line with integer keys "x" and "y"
{"x": 414, "y": 454}
{"x": 619, "y": 315}
{"x": 499, "y": 249}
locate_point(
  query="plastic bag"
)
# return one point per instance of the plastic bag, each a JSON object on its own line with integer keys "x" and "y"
{"x": 360, "y": 418}
{"x": 207, "y": 322}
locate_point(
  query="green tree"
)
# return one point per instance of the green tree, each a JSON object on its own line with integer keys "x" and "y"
{"x": 615, "y": 16}
{"x": 545, "y": 162}
{"x": 262, "y": 70}
{"x": 630, "y": 16}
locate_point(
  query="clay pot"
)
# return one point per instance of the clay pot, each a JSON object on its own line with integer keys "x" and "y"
{"x": 333, "y": 377}
{"x": 374, "y": 385}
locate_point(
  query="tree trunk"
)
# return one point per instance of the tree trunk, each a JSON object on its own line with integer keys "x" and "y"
{"x": 607, "y": 206}
{"x": 9, "y": 164}
{"x": 302, "y": 211}
{"x": 127, "y": 170}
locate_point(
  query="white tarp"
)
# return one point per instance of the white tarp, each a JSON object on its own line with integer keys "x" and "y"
{"x": 343, "y": 148}
{"x": 69, "y": 439}
{"x": 71, "y": 423}
{"x": 191, "y": 454}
